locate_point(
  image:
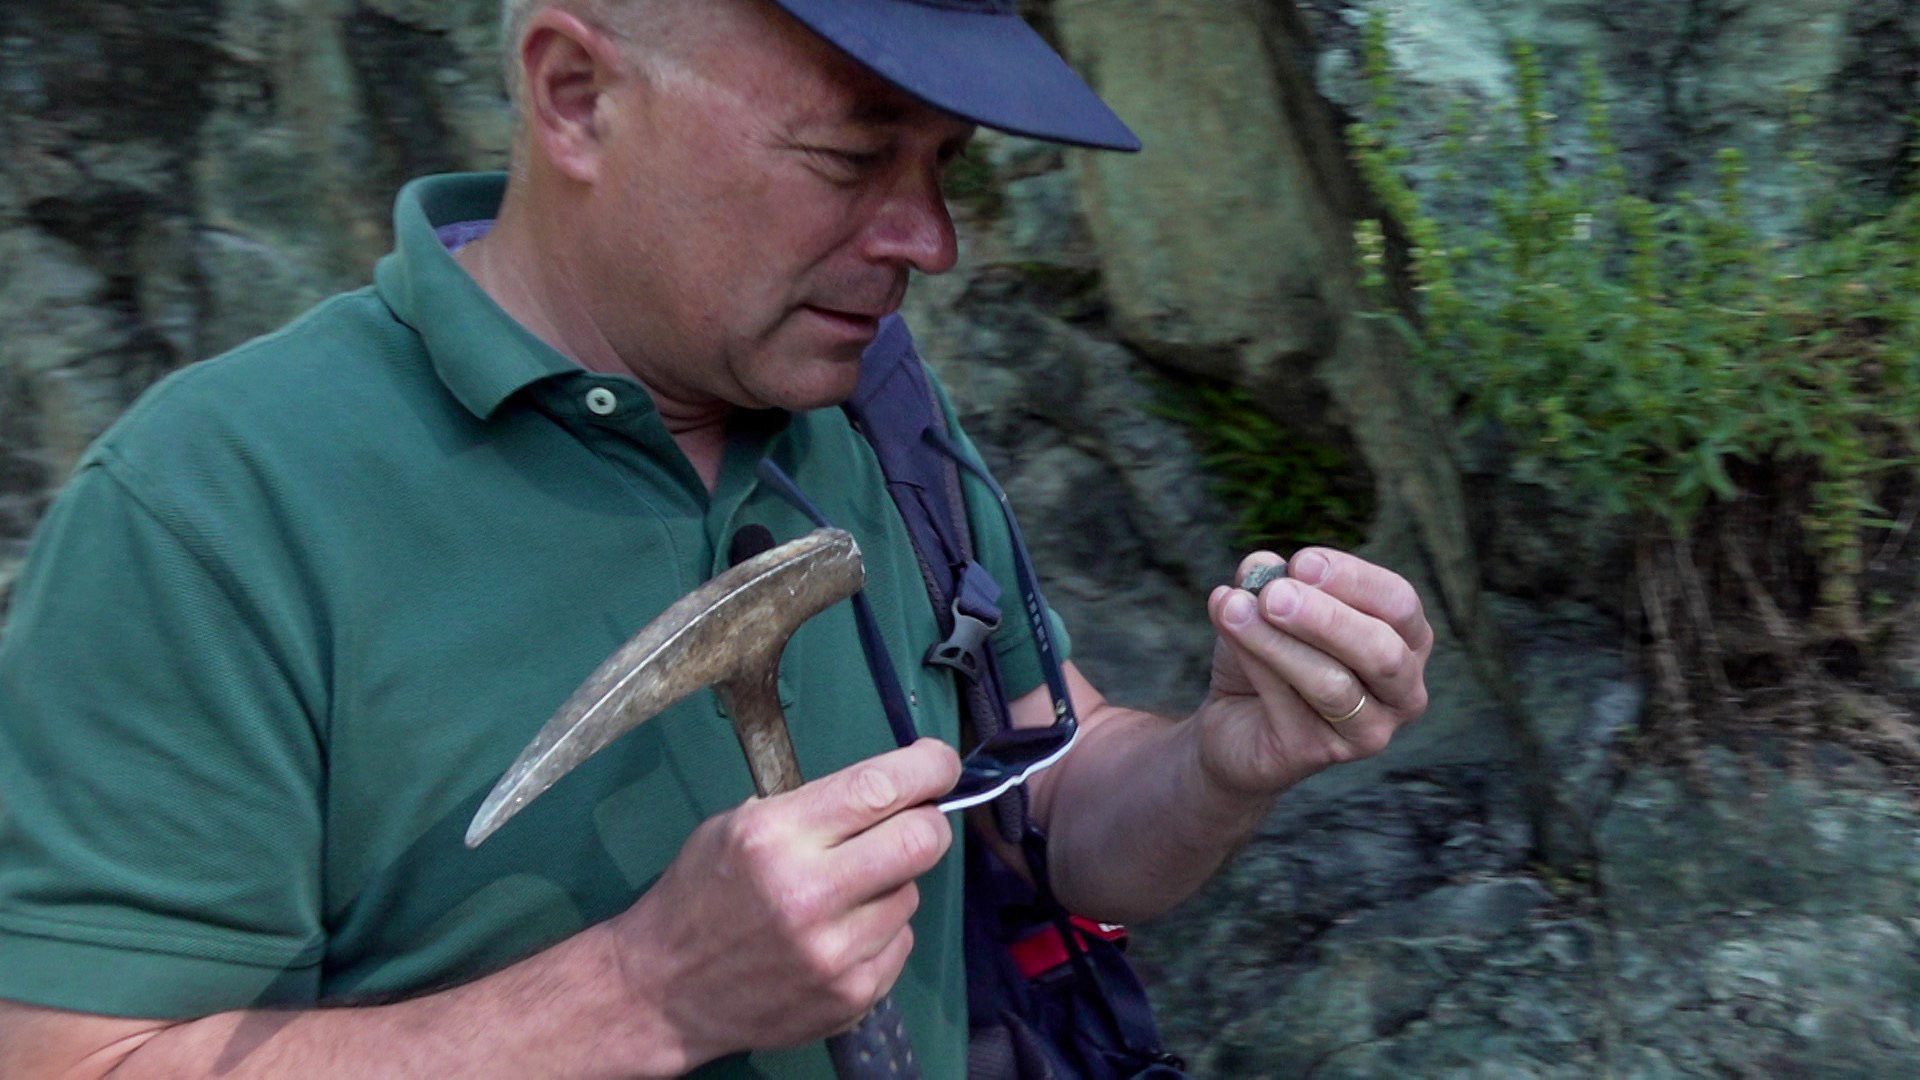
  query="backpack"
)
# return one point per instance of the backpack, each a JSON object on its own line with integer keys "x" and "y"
{"x": 1050, "y": 995}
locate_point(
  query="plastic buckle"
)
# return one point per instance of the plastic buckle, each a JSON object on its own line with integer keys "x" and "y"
{"x": 961, "y": 650}
{"x": 976, "y": 615}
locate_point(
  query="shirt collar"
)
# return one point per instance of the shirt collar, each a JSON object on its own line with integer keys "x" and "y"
{"x": 479, "y": 351}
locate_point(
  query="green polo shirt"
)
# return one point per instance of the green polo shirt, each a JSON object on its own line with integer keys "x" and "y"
{"x": 299, "y": 609}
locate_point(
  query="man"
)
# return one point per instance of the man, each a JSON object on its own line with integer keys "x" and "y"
{"x": 296, "y": 612}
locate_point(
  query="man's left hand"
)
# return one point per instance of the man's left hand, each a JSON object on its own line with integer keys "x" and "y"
{"x": 1291, "y": 666}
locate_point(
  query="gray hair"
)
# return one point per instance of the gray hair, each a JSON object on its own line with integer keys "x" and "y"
{"x": 649, "y": 25}
{"x": 514, "y": 15}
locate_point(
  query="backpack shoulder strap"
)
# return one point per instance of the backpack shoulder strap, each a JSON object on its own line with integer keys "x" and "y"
{"x": 893, "y": 404}
{"x": 893, "y": 407}
{"x": 1103, "y": 1027}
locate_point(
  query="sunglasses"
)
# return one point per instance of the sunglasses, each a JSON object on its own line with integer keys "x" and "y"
{"x": 1009, "y": 758}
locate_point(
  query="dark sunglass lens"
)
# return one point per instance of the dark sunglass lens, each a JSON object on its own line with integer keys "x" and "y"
{"x": 971, "y": 787}
{"x": 1018, "y": 748}
{"x": 1011, "y": 751}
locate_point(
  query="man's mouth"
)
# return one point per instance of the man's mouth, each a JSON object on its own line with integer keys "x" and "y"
{"x": 855, "y": 321}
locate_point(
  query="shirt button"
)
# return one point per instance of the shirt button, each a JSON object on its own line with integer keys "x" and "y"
{"x": 601, "y": 402}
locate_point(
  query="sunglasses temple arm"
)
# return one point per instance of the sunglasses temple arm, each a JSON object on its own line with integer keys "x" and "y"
{"x": 1035, "y": 604}
{"x": 893, "y": 701}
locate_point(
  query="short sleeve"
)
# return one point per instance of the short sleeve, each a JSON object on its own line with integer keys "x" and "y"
{"x": 161, "y": 786}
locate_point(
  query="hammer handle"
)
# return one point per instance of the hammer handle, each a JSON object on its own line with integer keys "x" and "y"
{"x": 877, "y": 1047}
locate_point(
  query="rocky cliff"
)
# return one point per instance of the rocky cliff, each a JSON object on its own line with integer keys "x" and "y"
{"x": 184, "y": 174}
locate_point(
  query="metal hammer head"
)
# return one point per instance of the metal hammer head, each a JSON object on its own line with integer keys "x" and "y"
{"x": 734, "y": 625}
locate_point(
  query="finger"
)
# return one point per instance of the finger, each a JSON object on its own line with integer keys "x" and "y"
{"x": 1233, "y": 612}
{"x": 890, "y": 854}
{"x": 1373, "y": 589}
{"x": 880, "y": 975}
{"x": 1271, "y": 658}
{"x": 1258, "y": 562}
{"x": 868, "y": 931}
{"x": 851, "y": 801}
{"x": 852, "y": 964}
{"x": 1363, "y": 647}
{"x": 1364, "y": 734}
{"x": 831, "y": 895}
{"x": 887, "y": 966}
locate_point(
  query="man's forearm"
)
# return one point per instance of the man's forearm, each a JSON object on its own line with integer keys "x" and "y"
{"x": 1135, "y": 824}
{"x": 779, "y": 923}
{"x": 563, "y": 1012}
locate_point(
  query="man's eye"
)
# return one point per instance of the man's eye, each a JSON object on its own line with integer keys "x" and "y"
{"x": 851, "y": 160}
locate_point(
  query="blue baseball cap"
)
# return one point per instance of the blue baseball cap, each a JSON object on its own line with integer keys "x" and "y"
{"x": 977, "y": 59}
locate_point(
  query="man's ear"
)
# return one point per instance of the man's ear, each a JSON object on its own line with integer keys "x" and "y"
{"x": 567, "y": 67}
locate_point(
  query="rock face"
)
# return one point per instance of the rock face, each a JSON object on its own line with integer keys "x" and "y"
{"x": 1756, "y": 920}
{"x": 1224, "y": 241}
{"x": 1680, "y": 80}
{"x": 1218, "y": 237}
{"x": 185, "y": 174}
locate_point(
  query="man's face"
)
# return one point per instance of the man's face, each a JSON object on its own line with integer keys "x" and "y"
{"x": 758, "y": 213}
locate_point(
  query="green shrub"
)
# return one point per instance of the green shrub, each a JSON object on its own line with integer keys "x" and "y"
{"x": 970, "y": 181}
{"x": 1289, "y": 491}
{"x": 1749, "y": 402}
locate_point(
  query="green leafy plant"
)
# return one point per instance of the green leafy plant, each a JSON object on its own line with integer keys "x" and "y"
{"x": 970, "y": 181}
{"x": 1289, "y": 491}
{"x": 1751, "y": 404}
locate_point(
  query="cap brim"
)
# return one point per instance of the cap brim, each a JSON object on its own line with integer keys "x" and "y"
{"x": 987, "y": 67}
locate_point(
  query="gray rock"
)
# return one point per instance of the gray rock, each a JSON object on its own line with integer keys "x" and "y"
{"x": 1045, "y": 220}
{"x": 1762, "y": 839}
{"x": 175, "y": 186}
{"x": 1260, "y": 576}
{"x": 1680, "y": 84}
{"x": 1754, "y": 922}
{"x": 1787, "y": 995}
{"x": 1214, "y": 239}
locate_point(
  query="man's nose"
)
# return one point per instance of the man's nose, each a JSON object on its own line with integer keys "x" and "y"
{"x": 915, "y": 228}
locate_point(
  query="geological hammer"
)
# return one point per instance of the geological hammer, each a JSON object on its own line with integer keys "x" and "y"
{"x": 728, "y": 634}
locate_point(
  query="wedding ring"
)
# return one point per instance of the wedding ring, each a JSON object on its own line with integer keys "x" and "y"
{"x": 1349, "y": 714}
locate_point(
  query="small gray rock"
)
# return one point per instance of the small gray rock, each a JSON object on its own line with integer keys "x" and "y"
{"x": 1258, "y": 577}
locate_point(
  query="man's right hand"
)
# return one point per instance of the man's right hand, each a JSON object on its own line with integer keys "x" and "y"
{"x": 783, "y": 920}
{"x": 780, "y": 922}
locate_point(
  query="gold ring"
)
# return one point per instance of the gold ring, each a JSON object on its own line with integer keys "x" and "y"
{"x": 1349, "y": 714}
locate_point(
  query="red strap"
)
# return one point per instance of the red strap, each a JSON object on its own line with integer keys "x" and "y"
{"x": 1042, "y": 951}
